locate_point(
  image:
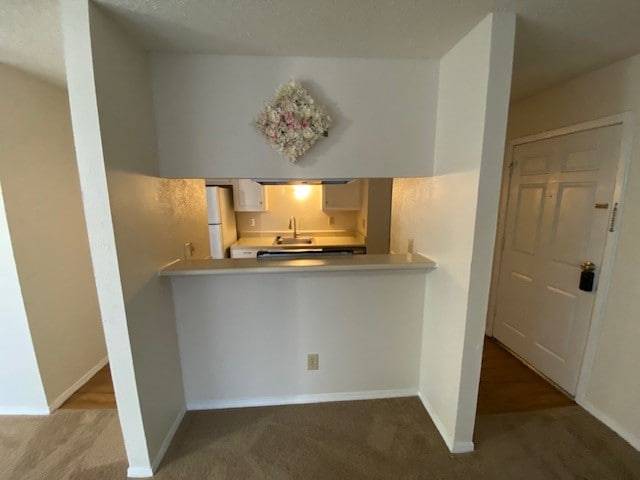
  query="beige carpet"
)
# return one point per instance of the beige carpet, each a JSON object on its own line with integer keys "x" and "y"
{"x": 379, "y": 439}
{"x": 70, "y": 444}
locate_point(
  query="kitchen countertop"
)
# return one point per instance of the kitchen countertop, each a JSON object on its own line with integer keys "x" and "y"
{"x": 320, "y": 241}
{"x": 227, "y": 266}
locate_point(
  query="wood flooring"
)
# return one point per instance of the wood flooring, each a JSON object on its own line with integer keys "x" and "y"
{"x": 508, "y": 385}
{"x": 96, "y": 394}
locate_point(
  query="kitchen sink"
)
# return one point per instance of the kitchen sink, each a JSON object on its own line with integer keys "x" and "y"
{"x": 294, "y": 241}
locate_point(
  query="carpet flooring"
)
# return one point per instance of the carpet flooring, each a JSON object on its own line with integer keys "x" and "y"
{"x": 376, "y": 439}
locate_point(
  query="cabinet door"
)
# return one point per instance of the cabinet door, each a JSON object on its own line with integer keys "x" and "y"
{"x": 341, "y": 197}
{"x": 249, "y": 196}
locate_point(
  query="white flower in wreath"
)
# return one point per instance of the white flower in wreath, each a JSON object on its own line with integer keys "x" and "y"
{"x": 274, "y": 116}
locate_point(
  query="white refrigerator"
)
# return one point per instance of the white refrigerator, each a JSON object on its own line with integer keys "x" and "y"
{"x": 222, "y": 221}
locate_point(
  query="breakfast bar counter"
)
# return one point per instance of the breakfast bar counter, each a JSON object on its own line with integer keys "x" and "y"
{"x": 326, "y": 264}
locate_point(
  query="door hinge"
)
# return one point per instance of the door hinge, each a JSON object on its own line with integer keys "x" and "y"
{"x": 614, "y": 217}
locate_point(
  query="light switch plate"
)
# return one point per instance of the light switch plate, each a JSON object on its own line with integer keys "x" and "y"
{"x": 188, "y": 250}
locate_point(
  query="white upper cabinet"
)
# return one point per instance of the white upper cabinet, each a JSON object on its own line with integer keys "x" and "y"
{"x": 341, "y": 197}
{"x": 249, "y": 196}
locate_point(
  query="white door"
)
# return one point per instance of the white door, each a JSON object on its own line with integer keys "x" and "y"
{"x": 559, "y": 207}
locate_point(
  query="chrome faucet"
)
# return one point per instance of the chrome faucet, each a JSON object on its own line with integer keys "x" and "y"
{"x": 293, "y": 225}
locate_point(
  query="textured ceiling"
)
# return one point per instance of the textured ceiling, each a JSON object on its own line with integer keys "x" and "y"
{"x": 556, "y": 39}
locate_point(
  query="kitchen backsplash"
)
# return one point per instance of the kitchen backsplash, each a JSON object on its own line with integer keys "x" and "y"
{"x": 303, "y": 202}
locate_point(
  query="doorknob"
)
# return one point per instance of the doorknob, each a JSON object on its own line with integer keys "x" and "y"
{"x": 587, "y": 276}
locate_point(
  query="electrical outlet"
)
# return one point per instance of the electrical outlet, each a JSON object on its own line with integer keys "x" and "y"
{"x": 363, "y": 223}
{"x": 332, "y": 221}
{"x": 410, "y": 246}
{"x": 188, "y": 250}
{"x": 312, "y": 361}
{"x": 252, "y": 222}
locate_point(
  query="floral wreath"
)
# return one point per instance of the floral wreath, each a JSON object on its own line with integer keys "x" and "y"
{"x": 292, "y": 121}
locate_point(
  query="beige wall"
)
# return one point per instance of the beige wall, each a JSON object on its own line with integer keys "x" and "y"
{"x": 283, "y": 204}
{"x": 44, "y": 208}
{"x": 374, "y": 218}
{"x": 613, "y": 390}
{"x": 362, "y": 222}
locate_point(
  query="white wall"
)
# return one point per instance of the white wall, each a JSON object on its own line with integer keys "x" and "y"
{"x": 21, "y": 389}
{"x": 137, "y": 223}
{"x": 452, "y": 218}
{"x": 48, "y": 232}
{"x": 383, "y": 112}
{"x": 613, "y": 389}
{"x": 283, "y": 204}
{"x": 244, "y": 339}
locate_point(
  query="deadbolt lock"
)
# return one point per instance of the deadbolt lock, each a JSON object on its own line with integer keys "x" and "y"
{"x": 588, "y": 267}
{"x": 587, "y": 276}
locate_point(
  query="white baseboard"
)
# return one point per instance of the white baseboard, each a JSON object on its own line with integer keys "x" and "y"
{"x": 139, "y": 472}
{"x": 146, "y": 472}
{"x": 39, "y": 411}
{"x": 463, "y": 447}
{"x": 630, "y": 438}
{"x": 453, "y": 446}
{"x": 299, "y": 399}
{"x": 80, "y": 382}
{"x": 167, "y": 439}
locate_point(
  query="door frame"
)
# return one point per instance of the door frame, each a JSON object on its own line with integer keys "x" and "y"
{"x": 624, "y": 159}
